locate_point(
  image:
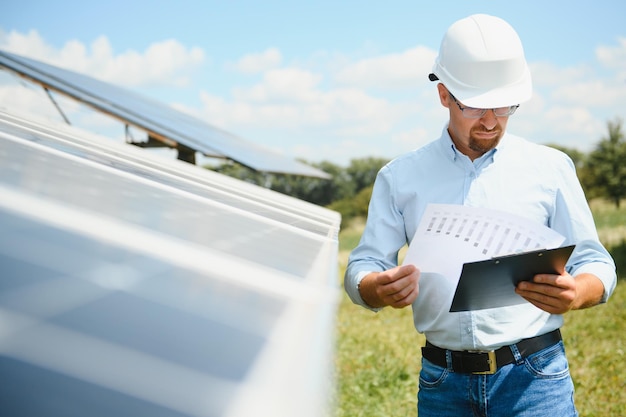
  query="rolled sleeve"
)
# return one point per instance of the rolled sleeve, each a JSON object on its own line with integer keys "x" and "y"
{"x": 351, "y": 284}
{"x": 605, "y": 272}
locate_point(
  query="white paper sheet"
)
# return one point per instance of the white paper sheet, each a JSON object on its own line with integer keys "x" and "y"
{"x": 450, "y": 235}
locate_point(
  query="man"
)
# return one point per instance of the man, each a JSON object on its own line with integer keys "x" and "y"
{"x": 506, "y": 361}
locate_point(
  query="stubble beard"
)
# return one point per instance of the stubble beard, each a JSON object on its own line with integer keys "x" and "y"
{"x": 483, "y": 145}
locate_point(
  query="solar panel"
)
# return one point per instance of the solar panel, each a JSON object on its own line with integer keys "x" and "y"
{"x": 204, "y": 183}
{"x": 131, "y": 291}
{"x": 161, "y": 121}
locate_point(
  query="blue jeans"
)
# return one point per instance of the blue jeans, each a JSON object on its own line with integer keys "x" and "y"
{"x": 537, "y": 386}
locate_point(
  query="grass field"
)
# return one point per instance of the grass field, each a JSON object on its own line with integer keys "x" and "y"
{"x": 378, "y": 354}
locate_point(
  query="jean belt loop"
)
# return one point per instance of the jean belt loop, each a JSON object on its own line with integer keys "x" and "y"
{"x": 518, "y": 356}
{"x": 449, "y": 359}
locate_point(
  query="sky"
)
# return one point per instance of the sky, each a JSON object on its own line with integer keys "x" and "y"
{"x": 320, "y": 81}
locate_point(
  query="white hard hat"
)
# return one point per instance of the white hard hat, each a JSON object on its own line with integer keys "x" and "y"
{"x": 481, "y": 62}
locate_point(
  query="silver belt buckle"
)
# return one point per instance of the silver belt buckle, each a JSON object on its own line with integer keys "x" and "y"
{"x": 493, "y": 366}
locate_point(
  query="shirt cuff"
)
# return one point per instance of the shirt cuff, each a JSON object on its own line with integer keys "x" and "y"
{"x": 356, "y": 295}
{"x": 606, "y": 274}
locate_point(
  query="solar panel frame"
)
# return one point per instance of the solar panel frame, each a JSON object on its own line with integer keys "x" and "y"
{"x": 181, "y": 175}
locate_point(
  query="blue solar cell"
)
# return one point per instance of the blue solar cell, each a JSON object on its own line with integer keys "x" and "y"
{"x": 37, "y": 391}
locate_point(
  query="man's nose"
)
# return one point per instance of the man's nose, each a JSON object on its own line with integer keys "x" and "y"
{"x": 489, "y": 120}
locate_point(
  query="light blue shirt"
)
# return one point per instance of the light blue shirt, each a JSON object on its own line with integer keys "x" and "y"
{"x": 519, "y": 177}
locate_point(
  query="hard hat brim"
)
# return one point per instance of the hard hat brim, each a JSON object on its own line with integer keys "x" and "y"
{"x": 507, "y": 95}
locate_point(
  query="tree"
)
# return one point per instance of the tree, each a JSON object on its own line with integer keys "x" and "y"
{"x": 577, "y": 157}
{"x": 314, "y": 190}
{"x": 605, "y": 167}
{"x": 235, "y": 170}
{"x": 348, "y": 190}
{"x": 363, "y": 171}
{"x": 355, "y": 206}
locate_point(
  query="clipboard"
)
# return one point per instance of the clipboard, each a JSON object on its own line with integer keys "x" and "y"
{"x": 491, "y": 283}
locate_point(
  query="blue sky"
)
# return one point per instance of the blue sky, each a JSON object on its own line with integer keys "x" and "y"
{"x": 320, "y": 80}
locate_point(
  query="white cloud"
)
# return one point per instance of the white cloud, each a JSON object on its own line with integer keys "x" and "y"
{"x": 573, "y": 121}
{"x": 570, "y": 105}
{"x": 547, "y": 74}
{"x": 345, "y": 111}
{"x": 293, "y": 98}
{"x": 259, "y": 62}
{"x": 166, "y": 62}
{"x": 282, "y": 85}
{"x": 29, "y": 44}
{"x": 580, "y": 86}
{"x": 392, "y": 71}
{"x": 163, "y": 63}
{"x": 591, "y": 93}
{"x": 613, "y": 56}
{"x": 412, "y": 138}
{"x": 17, "y": 99}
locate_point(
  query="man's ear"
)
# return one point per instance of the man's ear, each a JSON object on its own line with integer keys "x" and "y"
{"x": 444, "y": 96}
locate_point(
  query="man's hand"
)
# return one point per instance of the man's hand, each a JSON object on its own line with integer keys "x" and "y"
{"x": 397, "y": 287}
{"x": 558, "y": 294}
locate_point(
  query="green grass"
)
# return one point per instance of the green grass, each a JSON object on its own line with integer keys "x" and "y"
{"x": 378, "y": 354}
{"x": 594, "y": 339}
{"x": 610, "y": 221}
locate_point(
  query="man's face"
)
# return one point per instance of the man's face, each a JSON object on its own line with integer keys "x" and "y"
{"x": 472, "y": 137}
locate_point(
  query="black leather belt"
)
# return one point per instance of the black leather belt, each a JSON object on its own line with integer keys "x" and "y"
{"x": 488, "y": 362}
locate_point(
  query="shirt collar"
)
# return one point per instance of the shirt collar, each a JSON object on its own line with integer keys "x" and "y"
{"x": 446, "y": 143}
